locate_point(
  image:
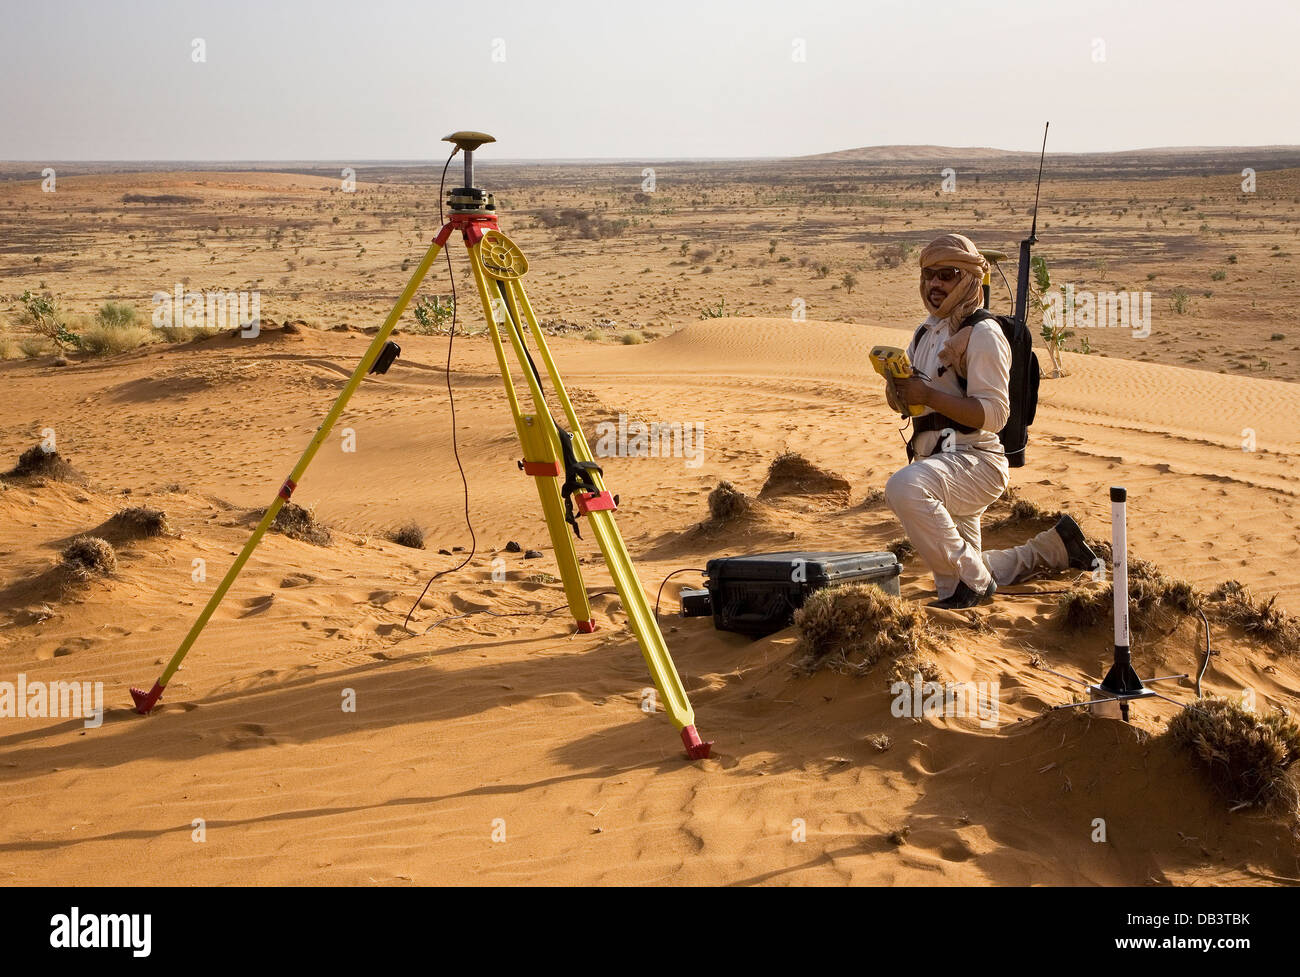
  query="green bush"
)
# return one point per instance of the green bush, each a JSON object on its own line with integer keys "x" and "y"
{"x": 40, "y": 313}
{"x": 431, "y": 316}
{"x": 116, "y": 314}
{"x": 708, "y": 312}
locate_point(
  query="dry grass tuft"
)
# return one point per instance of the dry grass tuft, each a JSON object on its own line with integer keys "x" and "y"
{"x": 410, "y": 535}
{"x": 1233, "y": 602}
{"x": 1021, "y": 510}
{"x": 901, "y": 548}
{"x": 906, "y": 667}
{"x": 850, "y": 628}
{"x": 37, "y": 462}
{"x": 140, "y": 522}
{"x": 792, "y": 474}
{"x": 726, "y": 502}
{"x": 1248, "y": 756}
{"x": 1153, "y": 598}
{"x": 89, "y": 556}
{"x": 298, "y": 523}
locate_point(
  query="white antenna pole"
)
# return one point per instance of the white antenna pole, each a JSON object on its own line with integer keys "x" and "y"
{"x": 1119, "y": 561}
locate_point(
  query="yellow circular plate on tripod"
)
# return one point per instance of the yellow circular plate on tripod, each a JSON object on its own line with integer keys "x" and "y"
{"x": 502, "y": 258}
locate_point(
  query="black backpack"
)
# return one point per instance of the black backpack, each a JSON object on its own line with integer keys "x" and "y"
{"x": 1022, "y": 385}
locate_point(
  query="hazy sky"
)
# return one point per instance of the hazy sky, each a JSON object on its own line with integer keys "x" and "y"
{"x": 383, "y": 79}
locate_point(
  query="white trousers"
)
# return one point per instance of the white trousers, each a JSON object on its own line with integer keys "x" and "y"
{"x": 940, "y": 499}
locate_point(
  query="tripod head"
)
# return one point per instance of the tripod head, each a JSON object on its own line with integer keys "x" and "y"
{"x": 470, "y": 199}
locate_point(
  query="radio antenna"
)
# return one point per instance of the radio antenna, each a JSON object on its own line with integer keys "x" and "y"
{"x": 1033, "y": 230}
{"x": 1022, "y": 269}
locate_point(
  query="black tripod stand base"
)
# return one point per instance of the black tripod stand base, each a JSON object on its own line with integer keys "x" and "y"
{"x": 1121, "y": 681}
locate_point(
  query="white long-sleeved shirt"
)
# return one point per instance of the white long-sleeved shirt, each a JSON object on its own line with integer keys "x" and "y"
{"x": 988, "y": 374}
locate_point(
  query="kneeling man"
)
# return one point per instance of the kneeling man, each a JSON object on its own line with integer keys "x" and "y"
{"x": 958, "y": 466}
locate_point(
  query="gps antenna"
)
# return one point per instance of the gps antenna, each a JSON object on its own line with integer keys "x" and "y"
{"x": 1022, "y": 269}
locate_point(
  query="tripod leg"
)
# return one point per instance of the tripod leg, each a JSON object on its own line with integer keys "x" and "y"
{"x": 144, "y": 701}
{"x": 541, "y": 451}
{"x": 640, "y": 616}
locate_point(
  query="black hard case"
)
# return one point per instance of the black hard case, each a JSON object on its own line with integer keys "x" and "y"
{"x": 758, "y": 594}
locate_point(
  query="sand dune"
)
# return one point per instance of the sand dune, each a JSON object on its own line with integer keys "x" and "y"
{"x": 516, "y": 721}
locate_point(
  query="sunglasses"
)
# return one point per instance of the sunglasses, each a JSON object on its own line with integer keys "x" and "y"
{"x": 945, "y": 275}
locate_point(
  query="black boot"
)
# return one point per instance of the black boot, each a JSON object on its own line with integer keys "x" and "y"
{"x": 965, "y": 596}
{"x": 1081, "y": 558}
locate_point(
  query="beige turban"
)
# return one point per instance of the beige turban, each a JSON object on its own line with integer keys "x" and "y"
{"x": 955, "y": 251}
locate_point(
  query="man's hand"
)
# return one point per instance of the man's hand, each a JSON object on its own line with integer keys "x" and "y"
{"x": 911, "y": 391}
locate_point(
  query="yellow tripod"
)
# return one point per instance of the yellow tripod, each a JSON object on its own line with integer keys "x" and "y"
{"x": 566, "y": 474}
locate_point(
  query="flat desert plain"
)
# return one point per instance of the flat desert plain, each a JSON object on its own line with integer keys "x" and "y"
{"x": 488, "y": 742}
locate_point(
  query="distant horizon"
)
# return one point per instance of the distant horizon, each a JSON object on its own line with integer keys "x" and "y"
{"x": 486, "y": 160}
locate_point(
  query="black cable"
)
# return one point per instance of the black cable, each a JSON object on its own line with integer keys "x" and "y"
{"x": 1205, "y": 664}
{"x": 669, "y": 577}
{"x": 1010, "y": 295}
{"x": 451, "y": 398}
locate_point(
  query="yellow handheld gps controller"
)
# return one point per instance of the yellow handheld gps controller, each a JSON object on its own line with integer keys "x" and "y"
{"x": 892, "y": 364}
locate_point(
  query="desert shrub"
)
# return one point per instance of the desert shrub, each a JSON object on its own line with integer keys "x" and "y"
{"x": 1235, "y": 604}
{"x": 1180, "y": 301}
{"x": 33, "y": 346}
{"x": 1152, "y": 597}
{"x": 849, "y": 628}
{"x": 790, "y": 473}
{"x": 1021, "y": 510}
{"x": 118, "y": 314}
{"x": 631, "y": 338}
{"x": 40, "y": 314}
{"x": 892, "y": 255}
{"x": 102, "y": 340}
{"x": 906, "y": 667}
{"x": 901, "y": 548}
{"x": 183, "y": 334}
{"x": 728, "y": 502}
{"x": 572, "y": 222}
{"x": 88, "y": 556}
{"x": 298, "y": 523}
{"x": 432, "y": 316}
{"x": 1248, "y": 756}
{"x": 140, "y": 522}
{"x": 410, "y": 535}
{"x": 37, "y": 462}
{"x": 710, "y": 312}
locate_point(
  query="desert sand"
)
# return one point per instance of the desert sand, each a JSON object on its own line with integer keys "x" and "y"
{"x": 517, "y": 726}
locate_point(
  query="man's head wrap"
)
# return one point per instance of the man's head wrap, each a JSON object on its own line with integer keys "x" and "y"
{"x": 955, "y": 251}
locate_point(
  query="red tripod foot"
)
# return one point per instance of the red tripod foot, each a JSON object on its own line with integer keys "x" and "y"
{"x": 144, "y": 701}
{"x": 696, "y": 748}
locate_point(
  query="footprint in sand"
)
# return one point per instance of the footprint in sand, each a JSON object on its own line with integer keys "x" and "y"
{"x": 247, "y": 736}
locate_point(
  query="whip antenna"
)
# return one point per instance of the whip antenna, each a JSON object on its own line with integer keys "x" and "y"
{"x": 1022, "y": 269}
{"x": 1033, "y": 230}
